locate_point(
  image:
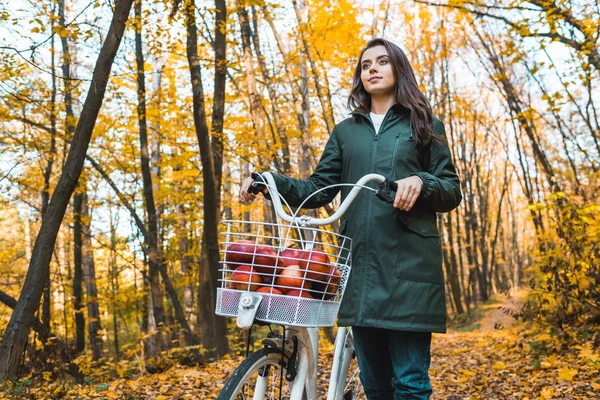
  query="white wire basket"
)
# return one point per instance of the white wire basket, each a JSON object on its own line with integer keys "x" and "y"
{"x": 301, "y": 272}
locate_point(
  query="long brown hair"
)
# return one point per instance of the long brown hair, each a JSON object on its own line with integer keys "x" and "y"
{"x": 406, "y": 92}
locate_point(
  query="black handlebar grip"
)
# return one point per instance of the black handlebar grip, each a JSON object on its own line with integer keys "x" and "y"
{"x": 393, "y": 185}
{"x": 385, "y": 190}
{"x": 254, "y": 189}
{"x": 256, "y": 186}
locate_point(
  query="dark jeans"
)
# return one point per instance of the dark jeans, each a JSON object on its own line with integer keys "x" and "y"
{"x": 393, "y": 365}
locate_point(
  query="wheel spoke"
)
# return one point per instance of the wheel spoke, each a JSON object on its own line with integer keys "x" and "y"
{"x": 260, "y": 373}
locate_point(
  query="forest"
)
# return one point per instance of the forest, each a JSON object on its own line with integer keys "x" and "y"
{"x": 128, "y": 126}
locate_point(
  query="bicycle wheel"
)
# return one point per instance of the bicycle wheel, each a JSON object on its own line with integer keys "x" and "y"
{"x": 259, "y": 377}
{"x": 353, "y": 389}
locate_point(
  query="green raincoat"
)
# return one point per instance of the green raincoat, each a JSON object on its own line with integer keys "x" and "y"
{"x": 396, "y": 281}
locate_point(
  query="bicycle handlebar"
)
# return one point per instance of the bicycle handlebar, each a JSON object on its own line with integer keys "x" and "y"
{"x": 385, "y": 188}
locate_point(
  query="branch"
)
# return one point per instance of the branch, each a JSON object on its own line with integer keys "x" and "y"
{"x": 10, "y": 302}
{"x": 122, "y": 197}
{"x": 104, "y": 175}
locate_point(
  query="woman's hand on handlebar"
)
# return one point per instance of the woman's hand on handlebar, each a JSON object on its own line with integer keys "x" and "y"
{"x": 245, "y": 195}
{"x": 408, "y": 192}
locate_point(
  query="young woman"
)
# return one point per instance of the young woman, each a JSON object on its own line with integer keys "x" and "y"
{"x": 394, "y": 298}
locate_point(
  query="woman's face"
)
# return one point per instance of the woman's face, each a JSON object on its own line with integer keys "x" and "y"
{"x": 377, "y": 75}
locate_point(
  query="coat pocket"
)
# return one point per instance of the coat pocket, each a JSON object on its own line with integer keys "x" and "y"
{"x": 419, "y": 257}
{"x": 420, "y": 222}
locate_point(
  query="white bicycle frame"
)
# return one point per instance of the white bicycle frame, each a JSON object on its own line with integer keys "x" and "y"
{"x": 307, "y": 371}
{"x": 308, "y": 338}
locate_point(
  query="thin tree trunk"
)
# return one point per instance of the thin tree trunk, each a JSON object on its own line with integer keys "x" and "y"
{"x": 299, "y": 98}
{"x": 227, "y": 211}
{"x": 186, "y": 263}
{"x": 17, "y": 331}
{"x": 255, "y": 102}
{"x": 218, "y": 111}
{"x": 89, "y": 276}
{"x": 27, "y": 234}
{"x": 78, "y": 272}
{"x": 156, "y": 343}
{"x": 279, "y": 135}
{"x": 213, "y": 329}
{"x": 452, "y": 266}
{"x": 323, "y": 97}
{"x": 46, "y": 304}
{"x": 308, "y": 161}
{"x": 78, "y": 198}
{"x": 114, "y": 281}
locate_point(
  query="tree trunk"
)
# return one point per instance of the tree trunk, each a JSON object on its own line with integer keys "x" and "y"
{"x": 46, "y": 306}
{"x": 17, "y": 331}
{"x": 299, "y": 98}
{"x": 186, "y": 263}
{"x": 27, "y": 233}
{"x": 255, "y": 102}
{"x": 77, "y": 273}
{"x": 89, "y": 276}
{"x": 452, "y": 266}
{"x": 114, "y": 280}
{"x": 78, "y": 200}
{"x": 279, "y": 135}
{"x": 155, "y": 341}
{"x": 213, "y": 329}
{"x": 218, "y": 111}
{"x": 324, "y": 98}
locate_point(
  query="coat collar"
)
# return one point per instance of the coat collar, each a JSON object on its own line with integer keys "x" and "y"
{"x": 397, "y": 108}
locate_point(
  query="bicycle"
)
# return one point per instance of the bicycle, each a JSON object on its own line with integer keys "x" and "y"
{"x": 288, "y": 362}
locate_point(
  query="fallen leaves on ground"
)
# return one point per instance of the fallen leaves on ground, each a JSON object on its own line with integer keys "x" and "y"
{"x": 506, "y": 364}
{"x": 513, "y": 364}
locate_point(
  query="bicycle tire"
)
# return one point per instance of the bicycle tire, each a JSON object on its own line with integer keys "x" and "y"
{"x": 245, "y": 374}
{"x": 353, "y": 389}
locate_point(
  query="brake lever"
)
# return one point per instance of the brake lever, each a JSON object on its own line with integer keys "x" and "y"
{"x": 385, "y": 190}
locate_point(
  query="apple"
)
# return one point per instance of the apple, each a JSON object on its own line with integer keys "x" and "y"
{"x": 316, "y": 262}
{"x": 268, "y": 279}
{"x": 299, "y": 293}
{"x": 289, "y": 257}
{"x": 245, "y": 278}
{"x": 265, "y": 259}
{"x": 269, "y": 290}
{"x": 327, "y": 290}
{"x": 239, "y": 252}
{"x": 292, "y": 277}
{"x": 334, "y": 275}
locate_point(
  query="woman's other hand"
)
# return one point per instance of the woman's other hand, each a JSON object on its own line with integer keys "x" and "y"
{"x": 408, "y": 192}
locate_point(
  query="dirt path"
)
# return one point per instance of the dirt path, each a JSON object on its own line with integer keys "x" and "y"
{"x": 500, "y": 314}
{"x": 500, "y": 358}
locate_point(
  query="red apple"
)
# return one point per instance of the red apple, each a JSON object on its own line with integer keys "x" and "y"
{"x": 245, "y": 278}
{"x": 269, "y": 290}
{"x": 299, "y": 293}
{"x": 334, "y": 275}
{"x": 317, "y": 264}
{"x": 289, "y": 257}
{"x": 292, "y": 277}
{"x": 239, "y": 252}
{"x": 326, "y": 290}
{"x": 265, "y": 258}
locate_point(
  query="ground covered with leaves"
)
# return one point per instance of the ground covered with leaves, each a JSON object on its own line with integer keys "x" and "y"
{"x": 487, "y": 360}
